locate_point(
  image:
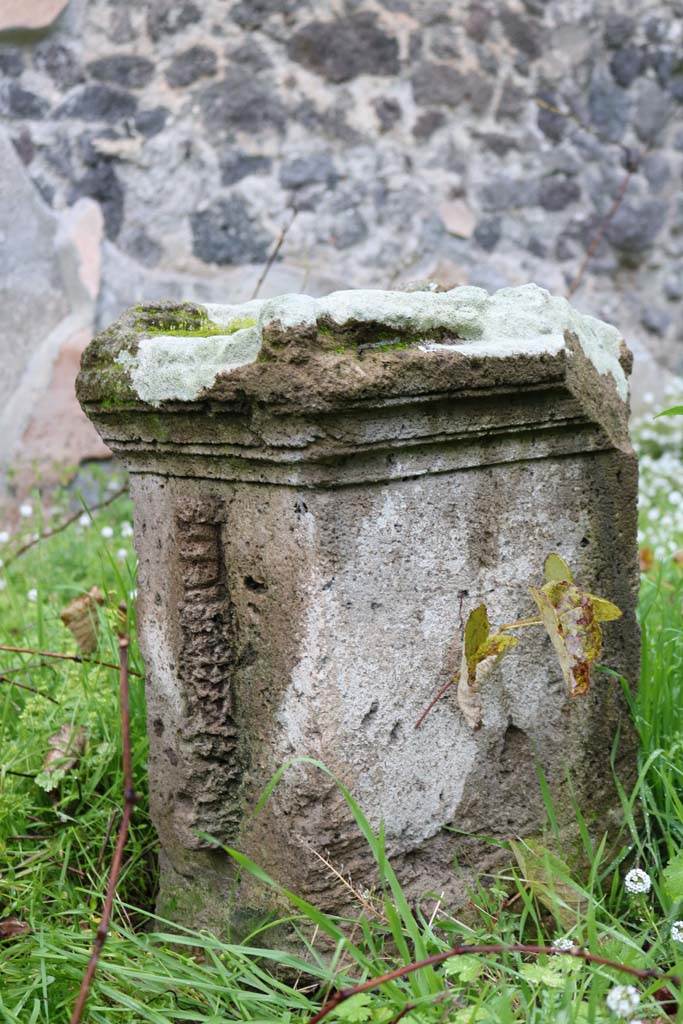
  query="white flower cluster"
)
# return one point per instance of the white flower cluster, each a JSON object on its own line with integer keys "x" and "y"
{"x": 563, "y": 945}
{"x": 677, "y": 931}
{"x": 637, "y": 882}
{"x": 659, "y": 443}
{"x": 623, "y": 1000}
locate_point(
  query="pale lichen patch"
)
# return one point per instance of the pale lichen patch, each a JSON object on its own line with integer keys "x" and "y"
{"x": 171, "y": 368}
{"x": 178, "y": 361}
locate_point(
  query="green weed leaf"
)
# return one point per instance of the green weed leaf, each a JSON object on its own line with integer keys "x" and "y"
{"x": 673, "y": 878}
{"x": 355, "y": 1010}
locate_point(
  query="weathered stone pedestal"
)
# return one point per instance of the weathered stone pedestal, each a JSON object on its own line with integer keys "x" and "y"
{"x": 322, "y": 488}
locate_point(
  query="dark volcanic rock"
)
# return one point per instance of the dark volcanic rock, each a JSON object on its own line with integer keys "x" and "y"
{"x": 557, "y": 191}
{"x": 21, "y": 103}
{"x": 636, "y": 224}
{"x": 151, "y": 122}
{"x": 226, "y": 232}
{"x": 123, "y": 69}
{"x": 656, "y": 321}
{"x": 627, "y": 64}
{"x": 98, "y": 102}
{"x": 345, "y": 48}
{"x": 191, "y": 65}
{"x": 487, "y": 233}
{"x": 618, "y": 30}
{"x": 166, "y": 17}
{"x": 243, "y": 102}
{"x": 316, "y": 168}
{"x": 59, "y": 63}
{"x": 237, "y": 165}
{"x": 438, "y": 84}
{"x": 11, "y": 62}
{"x": 427, "y": 123}
{"x": 251, "y": 14}
{"x": 523, "y": 33}
{"x": 388, "y": 112}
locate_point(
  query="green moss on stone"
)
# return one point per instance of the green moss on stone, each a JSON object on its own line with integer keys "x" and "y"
{"x": 184, "y": 320}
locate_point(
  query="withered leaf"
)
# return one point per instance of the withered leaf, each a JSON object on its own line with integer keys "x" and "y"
{"x": 80, "y": 618}
{"x": 569, "y": 618}
{"x": 11, "y": 927}
{"x": 481, "y": 652}
{"x": 65, "y": 749}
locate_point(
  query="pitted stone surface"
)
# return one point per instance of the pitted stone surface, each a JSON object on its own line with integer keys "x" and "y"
{"x": 323, "y": 489}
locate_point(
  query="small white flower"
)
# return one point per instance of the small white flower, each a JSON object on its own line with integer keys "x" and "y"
{"x": 4, "y": 536}
{"x": 126, "y": 530}
{"x": 32, "y": 595}
{"x": 122, "y": 554}
{"x": 26, "y": 511}
{"x": 3, "y": 582}
{"x": 84, "y": 519}
{"x": 107, "y": 532}
{"x": 637, "y": 881}
{"x": 563, "y": 944}
{"x": 623, "y": 1000}
{"x": 677, "y": 931}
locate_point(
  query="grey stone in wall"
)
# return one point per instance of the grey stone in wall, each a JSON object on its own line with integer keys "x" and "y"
{"x": 318, "y": 485}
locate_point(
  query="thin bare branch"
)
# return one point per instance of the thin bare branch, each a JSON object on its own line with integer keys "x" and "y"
{"x": 24, "y": 686}
{"x": 600, "y": 234}
{"x": 129, "y": 798}
{"x": 66, "y": 657}
{"x": 50, "y": 531}
{"x": 444, "y": 689}
{"x": 274, "y": 254}
{"x": 643, "y": 974}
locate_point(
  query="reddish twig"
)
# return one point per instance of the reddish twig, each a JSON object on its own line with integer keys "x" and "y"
{"x": 66, "y": 657}
{"x": 643, "y": 974}
{"x": 129, "y": 798}
{"x": 444, "y": 689}
{"x": 50, "y": 531}
{"x": 4, "y": 678}
{"x": 599, "y": 234}
{"x": 274, "y": 254}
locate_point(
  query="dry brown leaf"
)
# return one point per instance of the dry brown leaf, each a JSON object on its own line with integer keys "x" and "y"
{"x": 12, "y": 927}
{"x": 646, "y": 558}
{"x": 64, "y": 749}
{"x": 80, "y": 618}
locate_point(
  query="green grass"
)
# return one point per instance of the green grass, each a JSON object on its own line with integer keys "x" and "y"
{"x": 55, "y": 848}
